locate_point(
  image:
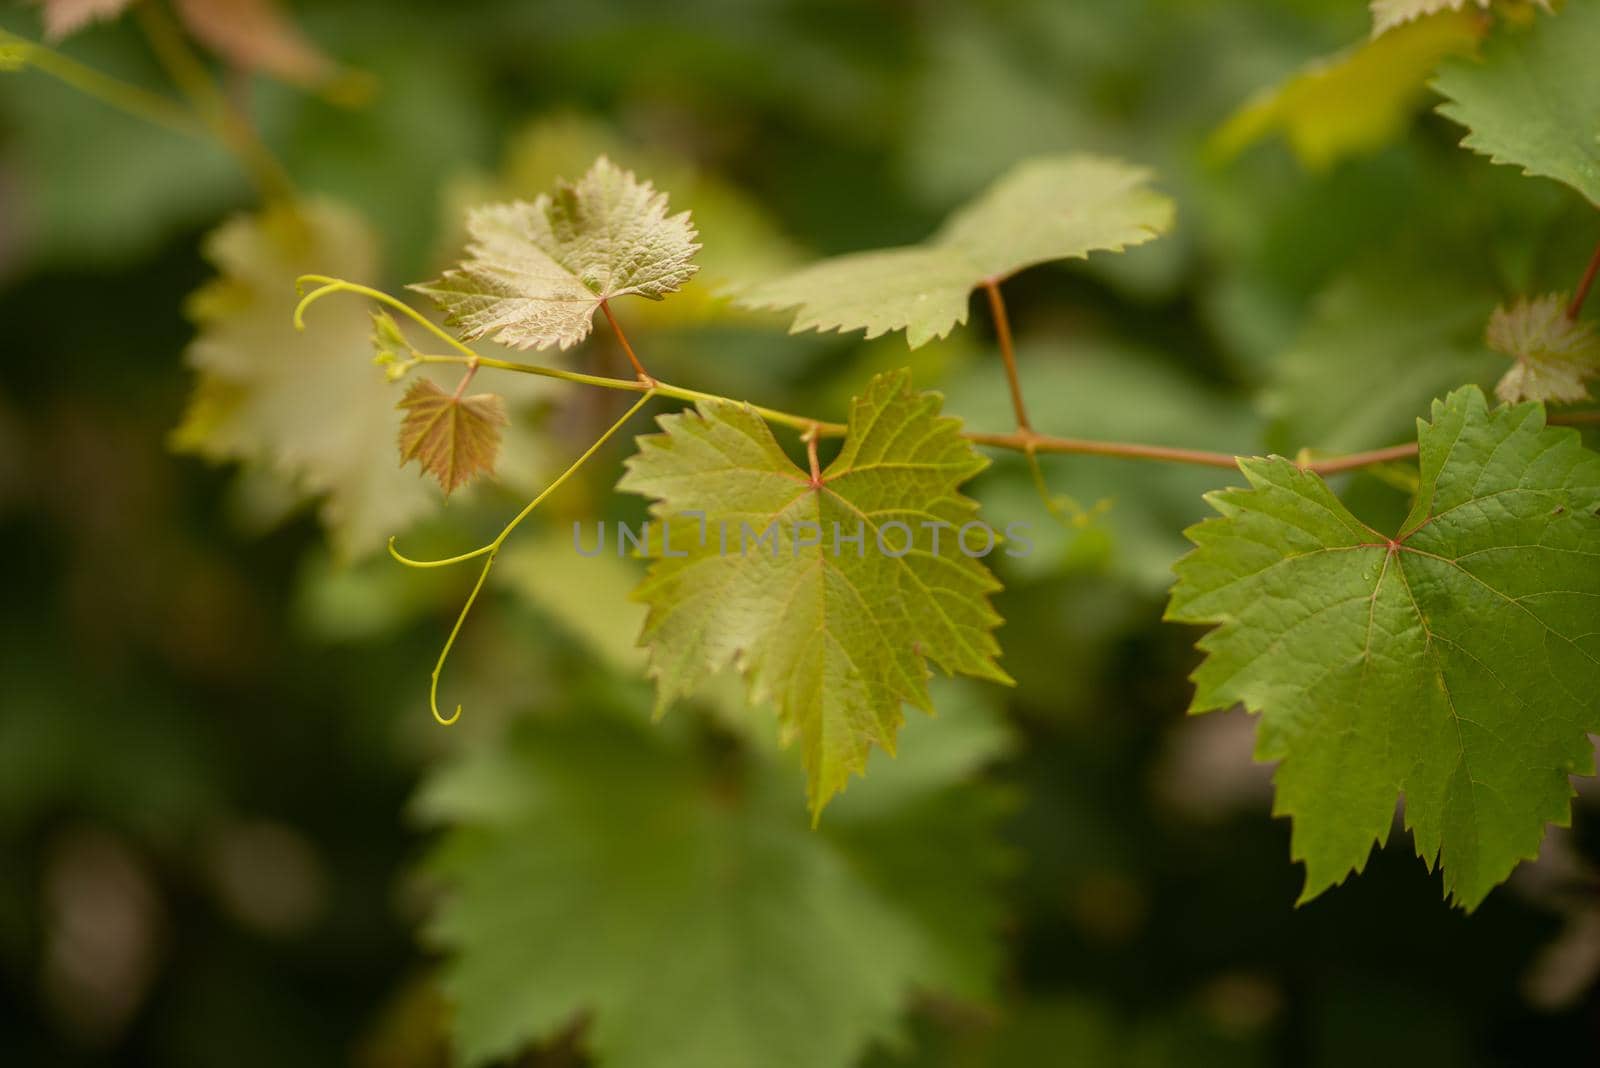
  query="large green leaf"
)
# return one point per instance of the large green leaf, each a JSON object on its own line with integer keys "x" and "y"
{"x": 1044, "y": 209}
{"x": 671, "y": 894}
{"x": 538, "y": 271}
{"x": 1455, "y": 663}
{"x": 834, "y": 633}
{"x": 1533, "y": 100}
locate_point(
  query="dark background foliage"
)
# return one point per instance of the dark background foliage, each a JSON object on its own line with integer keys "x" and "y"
{"x": 210, "y": 728}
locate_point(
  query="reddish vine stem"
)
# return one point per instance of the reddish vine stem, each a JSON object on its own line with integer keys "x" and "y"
{"x": 616, "y": 328}
{"x": 1023, "y": 440}
{"x": 1002, "y": 330}
{"x": 461, "y": 386}
{"x": 1584, "y": 285}
{"x": 811, "y": 458}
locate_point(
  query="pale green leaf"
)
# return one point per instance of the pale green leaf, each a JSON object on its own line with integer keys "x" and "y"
{"x": 671, "y": 897}
{"x": 835, "y": 635}
{"x": 1533, "y": 99}
{"x": 1554, "y": 355}
{"x": 1355, "y": 101}
{"x": 538, "y": 271}
{"x": 1454, "y": 664}
{"x": 1387, "y": 14}
{"x": 1044, "y": 209}
{"x": 741, "y": 238}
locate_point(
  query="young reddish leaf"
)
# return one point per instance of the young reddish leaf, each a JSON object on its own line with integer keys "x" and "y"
{"x": 452, "y": 438}
{"x": 1554, "y": 355}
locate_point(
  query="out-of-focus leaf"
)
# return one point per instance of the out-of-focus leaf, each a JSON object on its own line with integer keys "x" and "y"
{"x": 252, "y": 34}
{"x": 1531, "y": 100}
{"x": 256, "y": 35}
{"x": 64, "y": 17}
{"x": 836, "y": 635}
{"x": 309, "y": 405}
{"x": 539, "y": 271}
{"x": 1353, "y": 102}
{"x": 1554, "y": 355}
{"x": 1379, "y": 346}
{"x": 1042, "y": 210}
{"x": 585, "y": 592}
{"x": 604, "y": 869}
{"x": 82, "y": 184}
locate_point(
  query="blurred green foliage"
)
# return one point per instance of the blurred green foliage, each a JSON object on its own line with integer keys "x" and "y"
{"x": 212, "y": 724}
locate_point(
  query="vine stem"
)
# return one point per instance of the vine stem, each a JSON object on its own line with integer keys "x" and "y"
{"x": 1008, "y": 355}
{"x": 189, "y": 73}
{"x": 1584, "y": 285}
{"x": 1022, "y": 440}
{"x": 114, "y": 92}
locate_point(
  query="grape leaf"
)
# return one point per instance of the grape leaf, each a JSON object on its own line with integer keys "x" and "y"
{"x": 835, "y": 635}
{"x": 1533, "y": 100}
{"x": 1387, "y": 14}
{"x": 1355, "y": 101}
{"x": 598, "y": 868}
{"x": 1045, "y": 209}
{"x": 740, "y": 238}
{"x": 539, "y": 271}
{"x": 1554, "y": 355}
{"x": 452, "y": 438}
{"x": 308, "y": 405}
{"x": 1455, "y": 663}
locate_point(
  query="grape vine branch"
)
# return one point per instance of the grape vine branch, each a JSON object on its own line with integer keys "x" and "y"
{"x": 1024, "y": 439}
